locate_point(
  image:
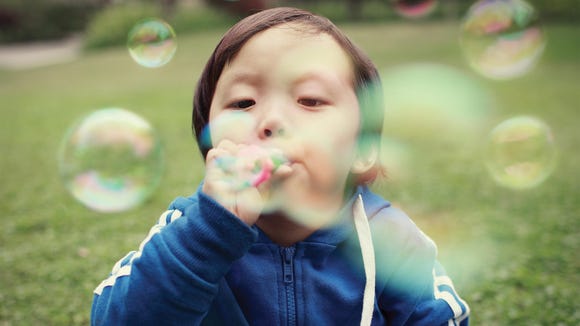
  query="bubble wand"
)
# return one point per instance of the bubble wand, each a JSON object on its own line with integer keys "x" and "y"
{"x": 262, "y": 169}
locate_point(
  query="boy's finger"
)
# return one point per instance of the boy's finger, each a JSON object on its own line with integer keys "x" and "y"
{"x": 227, "y": 145}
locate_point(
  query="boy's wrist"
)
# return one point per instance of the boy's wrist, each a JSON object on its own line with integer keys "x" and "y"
{"x": 226, "y": 223}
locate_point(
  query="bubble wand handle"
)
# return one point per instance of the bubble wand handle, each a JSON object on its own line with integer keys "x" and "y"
{"x": 265, "y": 168}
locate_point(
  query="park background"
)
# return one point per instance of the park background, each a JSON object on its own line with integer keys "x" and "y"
{"x": 513, "y": 254}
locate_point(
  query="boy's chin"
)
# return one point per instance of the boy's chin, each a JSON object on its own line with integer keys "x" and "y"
{"x": 302, "y": 211}
{"x": 296, "y": 198}
{"x": 311, "y": 218}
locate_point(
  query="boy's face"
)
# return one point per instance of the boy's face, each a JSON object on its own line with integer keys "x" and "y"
{"x": 295, "y": 92}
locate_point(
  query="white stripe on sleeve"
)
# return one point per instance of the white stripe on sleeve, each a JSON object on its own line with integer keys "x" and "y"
{"x": 458, "y": 306}
{"x": 123, "y": 266}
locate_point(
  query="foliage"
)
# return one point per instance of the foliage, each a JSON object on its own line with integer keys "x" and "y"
{"x": 240, "y": 8}
{"x": 376, "y": 10}
{"x": 111, "y": 25}
{"x": 199, "y": 19}
{"x": 30, "y": 20}
{"x": 558, "y": 10}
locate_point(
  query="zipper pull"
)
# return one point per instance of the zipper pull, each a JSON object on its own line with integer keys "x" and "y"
{"x": 288, "y": 257}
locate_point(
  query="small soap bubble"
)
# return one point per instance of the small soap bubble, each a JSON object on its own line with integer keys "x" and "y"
{"x": 111, "y": 160}
{"x": 414, "y": 8}
{"x": 152, "y": 43}
{"x": 521, "y": 152}
{"x": 502, "y": 39}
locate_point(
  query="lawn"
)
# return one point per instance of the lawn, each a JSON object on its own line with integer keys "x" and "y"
{"x": 512, "y": 254}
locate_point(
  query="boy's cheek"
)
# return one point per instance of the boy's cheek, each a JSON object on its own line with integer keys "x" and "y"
{"x": 329, "y": 158}
{"x": 315, "y": 176}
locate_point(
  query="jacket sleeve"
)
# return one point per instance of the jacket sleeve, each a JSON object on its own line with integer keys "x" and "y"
{"x": 415, "y": 288}
{"x": 440, "y": 304}
{"x": 175, "y": 274}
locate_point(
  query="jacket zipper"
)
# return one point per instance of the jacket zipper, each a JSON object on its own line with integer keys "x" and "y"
{"x": 288, "y": 274}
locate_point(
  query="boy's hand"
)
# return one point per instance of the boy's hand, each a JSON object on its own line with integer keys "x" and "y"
{"x": 238, "y": 176}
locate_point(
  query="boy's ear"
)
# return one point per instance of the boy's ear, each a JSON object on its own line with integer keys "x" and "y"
{"x": 365, "y": 161}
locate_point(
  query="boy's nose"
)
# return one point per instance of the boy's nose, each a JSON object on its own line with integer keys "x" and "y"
{"x": 272, "y": 124}
{"x": 267, "y": 132}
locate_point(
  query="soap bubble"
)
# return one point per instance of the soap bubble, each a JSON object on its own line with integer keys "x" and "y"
{"x": 414, "y": 8}
{"x": 520, "y": 152}
{"x": 502, "y": 39}
{"x": 111, "y": 160}
{"x": 152, "y": 43}
{"x": 396, "y": 156}
{"x": 236, "y": 126}
{"x": 431, "y": 103}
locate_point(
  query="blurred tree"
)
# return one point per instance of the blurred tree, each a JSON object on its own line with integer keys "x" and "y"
{"x": 558, "y": 10}
{"x": 168, "y": 6}
{"x": 354, "y": 9}
{"x": 242, "y": 7}
{"x": 28, "y": 20}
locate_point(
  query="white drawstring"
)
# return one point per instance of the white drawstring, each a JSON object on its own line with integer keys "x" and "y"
{"x": 363, "y": 231}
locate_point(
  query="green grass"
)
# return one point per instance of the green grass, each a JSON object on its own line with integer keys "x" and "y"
{"x": 512, "y": 254}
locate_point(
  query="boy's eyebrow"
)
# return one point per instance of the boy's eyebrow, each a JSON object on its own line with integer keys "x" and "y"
{"x": 322, "y": 76}
{"x": 245, "y": 77}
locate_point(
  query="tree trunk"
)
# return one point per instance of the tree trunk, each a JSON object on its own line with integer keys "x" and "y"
{"x": 354, "y": 8}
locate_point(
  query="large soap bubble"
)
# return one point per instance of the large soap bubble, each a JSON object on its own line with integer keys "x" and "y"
{"x": 431, "y": 103}
{"x": 502, "y": 39}
{"x": 111, "y": 160}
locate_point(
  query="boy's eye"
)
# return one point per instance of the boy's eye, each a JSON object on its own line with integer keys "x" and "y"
{"x": 241, "y": 105}
{"x": 310, "y": 102}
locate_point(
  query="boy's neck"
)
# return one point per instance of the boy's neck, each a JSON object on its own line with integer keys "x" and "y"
{"x": 282, "y": 230}
{"x": 286, "y": 231}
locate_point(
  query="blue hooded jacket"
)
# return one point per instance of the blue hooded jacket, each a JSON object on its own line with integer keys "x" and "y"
{"x": 201, "y": 265}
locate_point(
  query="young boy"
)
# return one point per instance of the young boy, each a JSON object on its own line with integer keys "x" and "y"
{"x": 278, "y": 233}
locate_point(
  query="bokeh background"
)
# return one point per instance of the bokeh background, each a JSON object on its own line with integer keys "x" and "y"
{"x": 512, "y": 252}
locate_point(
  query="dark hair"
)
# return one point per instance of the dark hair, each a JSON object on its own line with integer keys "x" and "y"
{"x": 366, "y": 83}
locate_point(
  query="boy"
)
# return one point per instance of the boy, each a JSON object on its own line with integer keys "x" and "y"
{"x": 278, "y": 233}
